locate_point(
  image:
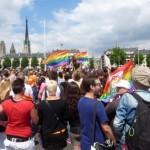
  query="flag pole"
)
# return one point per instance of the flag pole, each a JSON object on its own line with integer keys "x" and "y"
{"x": 44, "y": 44}
{"x": 138, "y": 56}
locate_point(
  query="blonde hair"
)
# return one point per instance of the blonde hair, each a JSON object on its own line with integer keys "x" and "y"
{"x": 5, "y": 88}
{"x": 51, "y": 87}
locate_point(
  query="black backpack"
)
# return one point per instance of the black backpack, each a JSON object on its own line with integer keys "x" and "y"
{"x": 138, "y": 135}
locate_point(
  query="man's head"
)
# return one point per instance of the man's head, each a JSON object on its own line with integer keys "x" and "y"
{"x": 53, "y": 75}
{"x": 90, "y": 84}
{"x": 18, "y": 86}
{"x": 122, "y": 86}
{"x": 76, "y": 76}
{"x": 141, "y": 77}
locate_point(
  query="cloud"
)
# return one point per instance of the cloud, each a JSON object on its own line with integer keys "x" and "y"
{"x": 11, "y": 21}
{"x": 94, "y": 25}
{"x": 100, "y": 24}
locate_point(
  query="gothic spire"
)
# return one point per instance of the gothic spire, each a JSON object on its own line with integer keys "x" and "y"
{"x": 26, "y": 32}
{"x": 12, "y": 49}
{"x": 26, "y": 41}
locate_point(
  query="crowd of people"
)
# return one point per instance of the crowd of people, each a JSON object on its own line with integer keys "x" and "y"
{"x": 65, "y": 105}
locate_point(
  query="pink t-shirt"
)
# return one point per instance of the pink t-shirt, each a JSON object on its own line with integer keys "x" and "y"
{"x": 42, "y": 88}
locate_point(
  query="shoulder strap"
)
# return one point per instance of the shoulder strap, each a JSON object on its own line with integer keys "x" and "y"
{"x": 136, "y": 96}
{"x": 94, "y": 122}
{"x": 54, "y": 113}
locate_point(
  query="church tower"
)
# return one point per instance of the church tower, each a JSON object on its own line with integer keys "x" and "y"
{"x": 12, "y": 49}
{"x": 26, "y": 41}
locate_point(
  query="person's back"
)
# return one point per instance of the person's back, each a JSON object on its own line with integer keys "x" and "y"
{"x": 19, "y": 115}
{"x": 72, "y": 96}
{"x": 20, "y": 111}
{"x": 53, "y": 117}
{"x": 127, "y": 107}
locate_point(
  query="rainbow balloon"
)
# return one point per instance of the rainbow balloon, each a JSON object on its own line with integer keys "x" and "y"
{"x": 123, "y": 72}
{"x": 57, "y": 58}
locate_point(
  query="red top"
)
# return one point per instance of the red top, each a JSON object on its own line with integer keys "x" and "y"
{"x": 19, "y": 120}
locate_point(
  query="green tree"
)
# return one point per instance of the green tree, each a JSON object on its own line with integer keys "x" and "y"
{"x": 16, "y": 63}
{"x": 0, "y": 64}
{"x": 117, "y": 56}
{"x": 91, "y": 63}
{"x": 34, "y": 62}
{"x": 7, "y": 62}
{"x": 148, "y": 60}
{"x": 24, "y": 62}
{"x": 141, "y": 58}
{"x": 42, "y": 63}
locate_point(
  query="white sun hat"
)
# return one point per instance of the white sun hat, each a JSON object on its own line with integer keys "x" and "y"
{"x": 123, "y": 84}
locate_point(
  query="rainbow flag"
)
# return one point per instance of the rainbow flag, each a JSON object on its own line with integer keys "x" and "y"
{"x": 57, "y": 58}
{"x": 81, "y": 57}
{"x": 123, "y": 72}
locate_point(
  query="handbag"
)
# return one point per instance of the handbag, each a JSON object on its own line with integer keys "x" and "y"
{"x": 96, "y": 145}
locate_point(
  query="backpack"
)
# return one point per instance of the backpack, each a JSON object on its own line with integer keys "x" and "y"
{"x": 138, "y": 135}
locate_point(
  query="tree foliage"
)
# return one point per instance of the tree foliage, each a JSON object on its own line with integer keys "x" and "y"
{"x": 34, "y": 62}
{"x": 91, "y": 63}
{"x": 148, "y": 60}
{"x": 117, "y": 56}
{"x": 6, "y": 62}
{"x": 16, "y": 63}
{"x": 141, "y": 58}
{"x": 24, "y": 62}
{"x": 0, "y": 63}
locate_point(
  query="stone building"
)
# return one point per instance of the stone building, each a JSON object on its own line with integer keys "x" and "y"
{"x": 2, "y": 49}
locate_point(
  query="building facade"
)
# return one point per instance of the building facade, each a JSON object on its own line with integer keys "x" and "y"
{"x": 131, "y": 52}
{"x": 2, "y": 48}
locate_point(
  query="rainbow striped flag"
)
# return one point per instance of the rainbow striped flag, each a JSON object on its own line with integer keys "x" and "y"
{"x": 123, "y": 72}
{"x": 81, "y": 56}
{"x": 57, "y": 58}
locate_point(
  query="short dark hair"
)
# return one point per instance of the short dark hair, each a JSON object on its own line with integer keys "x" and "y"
{"x": 6, "y": 73}
{"x": 18, "y": 86}
{"x": 67, "y": 76}
{"x": 53, "y": 75}
{"x": 76, "y": 76}
{"x": 60, "y": 74}
{"x": 86, "y": 83}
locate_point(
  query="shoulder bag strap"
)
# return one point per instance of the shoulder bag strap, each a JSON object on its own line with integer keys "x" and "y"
{"x": 94, "y": 122}
{"x": 54, "y": 113}
{"x": 137, "y": 97}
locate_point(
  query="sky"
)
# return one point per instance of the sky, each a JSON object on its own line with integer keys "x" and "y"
{"x": 92, "y": 25}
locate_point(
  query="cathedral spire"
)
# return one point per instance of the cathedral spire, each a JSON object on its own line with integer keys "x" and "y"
{"x": 26, "y": 41}
{"x": 26, "y": 32}
{"x": 12, "y": 49}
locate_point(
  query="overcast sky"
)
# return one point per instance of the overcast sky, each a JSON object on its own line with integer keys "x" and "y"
{"x": 92, "y": 25}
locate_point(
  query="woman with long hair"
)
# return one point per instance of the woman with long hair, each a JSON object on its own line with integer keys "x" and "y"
{"x": 72, "y": 96}
{"x": 5, "y": 88}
